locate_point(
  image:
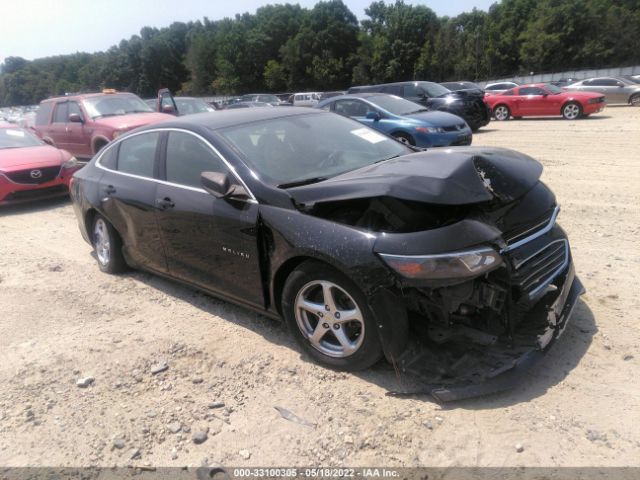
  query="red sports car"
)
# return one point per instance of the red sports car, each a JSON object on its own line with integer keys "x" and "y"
{"x": 31, "y": 169}
{"x": 543, "y": 99}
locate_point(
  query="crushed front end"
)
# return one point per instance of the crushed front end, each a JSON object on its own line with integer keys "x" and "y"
{"x": 479, "y": 278}
{"x": 479, "y": 336}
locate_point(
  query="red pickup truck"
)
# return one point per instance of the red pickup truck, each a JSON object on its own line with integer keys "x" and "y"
{"x": 82, "y": 124}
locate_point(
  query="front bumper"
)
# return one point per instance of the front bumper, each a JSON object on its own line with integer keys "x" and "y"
{"x": 473, "y": 371}
{"x": 12, "y": 193}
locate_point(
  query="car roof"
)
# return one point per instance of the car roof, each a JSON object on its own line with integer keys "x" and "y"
{"x": 234, "y": 117}
{"x": 85, "y": 95}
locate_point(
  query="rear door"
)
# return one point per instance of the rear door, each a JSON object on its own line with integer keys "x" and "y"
{"x": 211, "y": 242}
{"x": 128, "y": 194}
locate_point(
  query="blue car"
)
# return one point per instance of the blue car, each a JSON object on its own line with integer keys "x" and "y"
{"x": 406, "y": 121}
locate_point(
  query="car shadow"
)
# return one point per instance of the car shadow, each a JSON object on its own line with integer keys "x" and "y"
{"x": 554, "y": 367}
{"x": 34, "y": 206}
{"x": 591, "y": 117}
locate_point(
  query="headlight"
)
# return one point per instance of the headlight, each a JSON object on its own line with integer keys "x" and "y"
{"x": 466, "y": 264}
{"x": 71, "y": 163}
{"x": 430, "y": 129}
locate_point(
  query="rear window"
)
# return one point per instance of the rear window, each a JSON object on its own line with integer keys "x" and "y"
{"x": 137, "y": 154}
{"x": 44, "y": 112}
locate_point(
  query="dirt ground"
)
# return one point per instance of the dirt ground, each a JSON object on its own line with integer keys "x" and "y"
{"x": 61, "y": 319}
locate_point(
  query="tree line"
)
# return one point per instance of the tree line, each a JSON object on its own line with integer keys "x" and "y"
{"x": 290, "y": 48}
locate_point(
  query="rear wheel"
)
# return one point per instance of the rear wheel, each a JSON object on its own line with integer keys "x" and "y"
{"x": 330, "y": 318}
{"x": 404, "y": 138}
{"x": 572, "y": 111}
{"x": 501, "y": 113}
{"x": 108, "y": 246}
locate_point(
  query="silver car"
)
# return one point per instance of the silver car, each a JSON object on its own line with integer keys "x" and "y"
{"x": 615, "y": 89}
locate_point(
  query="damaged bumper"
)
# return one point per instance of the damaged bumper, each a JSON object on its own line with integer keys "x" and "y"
{"x": 450, "y": 374}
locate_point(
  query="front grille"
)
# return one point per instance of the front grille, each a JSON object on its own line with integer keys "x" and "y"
{"x": 463, "y": 140}
{"x": 32, "y": 177}
{"x": 531, "y": 228}
{"x": 35, "y": 194}
{"x": 454, "y": 128}
{"x": 535, "y": 272}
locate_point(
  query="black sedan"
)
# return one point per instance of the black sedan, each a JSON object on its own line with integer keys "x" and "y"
{"x": 353, "y": 238}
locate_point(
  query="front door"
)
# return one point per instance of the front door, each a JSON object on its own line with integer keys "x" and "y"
{"x": 78, "y": 140}
{"x": 211, "y": 242}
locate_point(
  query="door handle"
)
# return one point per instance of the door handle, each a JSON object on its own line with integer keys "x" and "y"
{"x": 164, "y": 203}
{"x": 109, "y": 189}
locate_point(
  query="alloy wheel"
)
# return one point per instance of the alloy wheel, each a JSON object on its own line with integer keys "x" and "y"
{"x": 501, "y": 113}
{"x": 329, "y": 318}
{"x": 571, "y": 111}
{"x": 101, "y": 241}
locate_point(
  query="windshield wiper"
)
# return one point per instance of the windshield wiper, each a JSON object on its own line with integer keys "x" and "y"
{"x": 139, "y": 111}
{"x": 417, "y": 111}
{"x": 388, "y": 158}
{"x": 299, "y": 183}
{"x": 106, "y": 115}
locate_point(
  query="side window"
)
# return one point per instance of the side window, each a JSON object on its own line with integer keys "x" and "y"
{"x": 137, "y": 154}
{"x": 531, "y": 91}
{"x": 411, "y": 91}
{"x": 44, "y": 112}
{"x": 75, "y": 108}
{"x": 109, "y": 158}
{"x": 604, "y": 82}
{"x": 60, "y": 114}
{"x": 188, "y": 157}
{"x": 393, "y": 90}
{"x": 351, "y": 108}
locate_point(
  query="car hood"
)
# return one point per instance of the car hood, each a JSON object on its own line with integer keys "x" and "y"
{"x": 452, "y": 176}
{"x": 129, "y": 122}
{"x": 436, "y": 119}
{"x": 21, "y": 158}
{"x": 580, "y": 94}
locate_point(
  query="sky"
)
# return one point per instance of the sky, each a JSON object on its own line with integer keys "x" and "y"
{"x": 41, "y": 28}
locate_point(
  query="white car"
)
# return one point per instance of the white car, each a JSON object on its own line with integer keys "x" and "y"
{"x": 498, "y": 87}
{"x": 306, "y": 99}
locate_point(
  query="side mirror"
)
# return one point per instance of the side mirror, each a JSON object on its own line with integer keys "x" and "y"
{"x": 375, "y": 116}
{"x": 218, "y": 185}
{"x": 167, "y": 109}
{"x": 75, "y": 118}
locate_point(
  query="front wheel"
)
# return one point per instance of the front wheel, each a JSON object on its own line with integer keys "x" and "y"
{"x": 330, "y": 318}
{"x": 502, "y": 113}
{"x": 572, "y": 111}
{"x": 635, "y": 100}
{"x": 107, "y": 246}
{"x": 404, "y": 138}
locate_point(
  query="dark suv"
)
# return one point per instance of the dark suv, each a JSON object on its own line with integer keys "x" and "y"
{"x": 83, "y": 124}
{"x": 467, "y": 105}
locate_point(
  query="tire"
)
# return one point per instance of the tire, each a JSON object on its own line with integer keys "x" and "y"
{"x": 107, "y": 246}
{"x": 404, "y": 138}
{"x": 501, "y": 113}
{"x": 338, "y": 344}
{"x": 635, "y": 100}
{"x": 99, "y": 146}
{"x": 571, "y": 111}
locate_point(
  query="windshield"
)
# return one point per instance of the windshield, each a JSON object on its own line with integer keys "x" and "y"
{"x": 111, "y": 105}
{"x": 308, "y": 148}
{"x": 18, "y": 138}
{"x": 433, "y": 89}
{"x": 192, "y": 105}
{"x": 552, "y": 88}
{"x": 395, "y": 105}
{"x": 632, "y": 79}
